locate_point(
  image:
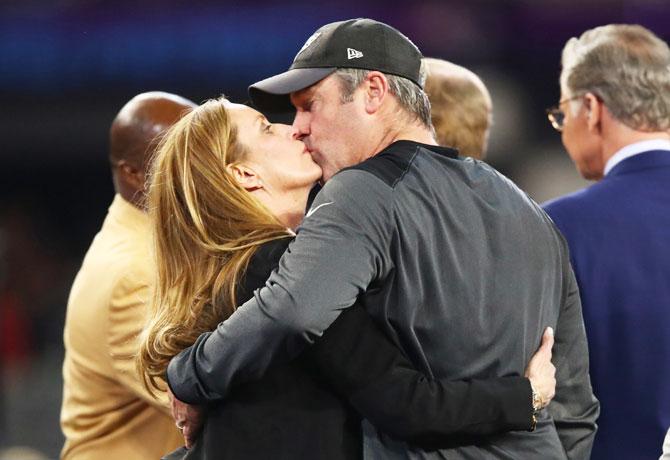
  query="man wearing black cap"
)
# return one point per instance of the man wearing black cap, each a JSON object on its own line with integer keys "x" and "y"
{"x": 457, "y": 265}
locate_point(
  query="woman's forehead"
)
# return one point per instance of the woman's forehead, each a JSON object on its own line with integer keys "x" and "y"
{"x": 242, "y": 111}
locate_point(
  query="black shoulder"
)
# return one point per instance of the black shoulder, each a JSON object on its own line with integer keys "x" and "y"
{"x": 269, "y": 253}
{"x": 392, "y": 163}
{"x": 389, "y": 165}
{"x": 260, "y": 266}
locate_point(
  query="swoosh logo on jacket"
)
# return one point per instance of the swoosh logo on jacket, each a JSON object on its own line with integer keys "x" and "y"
{"x": 313, "y": 210}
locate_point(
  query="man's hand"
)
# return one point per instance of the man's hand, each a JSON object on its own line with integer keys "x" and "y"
{"x": 541, "y": 372}
{"x": 189, "y": 419}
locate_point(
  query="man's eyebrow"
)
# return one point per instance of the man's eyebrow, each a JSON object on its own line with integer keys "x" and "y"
{"x": 302, "y": 96}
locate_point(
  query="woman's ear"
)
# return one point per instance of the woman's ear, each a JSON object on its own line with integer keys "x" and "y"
{"x": 245, "y": 176}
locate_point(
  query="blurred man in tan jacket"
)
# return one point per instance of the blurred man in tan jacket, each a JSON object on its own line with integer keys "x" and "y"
{"x": 460, "y": 107}
{"x": 107, "y": 413}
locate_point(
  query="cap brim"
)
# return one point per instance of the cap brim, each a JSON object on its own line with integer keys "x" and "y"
{"x": 272, "y": 94}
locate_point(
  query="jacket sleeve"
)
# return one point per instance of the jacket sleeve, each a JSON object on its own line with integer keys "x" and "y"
{"x": 365, "y": 367}
{"x": 575, "y": 407}
{"x": 340, "y": 249}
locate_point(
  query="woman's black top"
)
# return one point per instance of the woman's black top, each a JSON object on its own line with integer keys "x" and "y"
{"x": 311, "y": 408}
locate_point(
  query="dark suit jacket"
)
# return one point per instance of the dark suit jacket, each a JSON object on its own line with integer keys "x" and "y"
{"x": 618, "y": 231}
{"x": 305, "y": 409}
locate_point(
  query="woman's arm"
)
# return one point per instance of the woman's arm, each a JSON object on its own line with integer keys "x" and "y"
{"x": 366, "y": 368}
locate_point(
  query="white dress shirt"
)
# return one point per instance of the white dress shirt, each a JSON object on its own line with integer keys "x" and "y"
{"x": 666, "y": 448}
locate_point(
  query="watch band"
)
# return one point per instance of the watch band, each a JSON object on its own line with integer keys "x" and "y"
{"x": 537, "y": 406}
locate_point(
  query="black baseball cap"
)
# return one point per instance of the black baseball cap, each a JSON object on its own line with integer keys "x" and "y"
{"x": 355, "y": 43}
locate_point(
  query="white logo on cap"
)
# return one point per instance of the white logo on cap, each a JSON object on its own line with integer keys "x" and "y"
{"x": 353, "y": 54}
{"x": 309, "y": 41}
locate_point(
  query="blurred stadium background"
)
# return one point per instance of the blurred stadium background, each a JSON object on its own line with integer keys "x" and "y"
{"x": 67, "y": 66}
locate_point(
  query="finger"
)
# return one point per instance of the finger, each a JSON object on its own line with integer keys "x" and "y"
{"x": 173, "y": 405}
{"x": 189, "y": 436}
{"x": 547, "y": 340}
{"x": 179, "y": 411}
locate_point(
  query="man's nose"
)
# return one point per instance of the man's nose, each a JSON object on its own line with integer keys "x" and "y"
{"x": 300, "y": 127}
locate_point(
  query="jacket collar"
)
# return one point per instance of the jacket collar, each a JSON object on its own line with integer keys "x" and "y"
{"x": 129, "y": 215}
{"x": 635, "y": 148}
{"x": 651, "y": 159}
{"x": 403, "y": 145}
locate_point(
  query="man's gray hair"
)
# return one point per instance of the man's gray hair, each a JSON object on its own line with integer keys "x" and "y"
{"x": 410, "y": 97}
{"x": 627, "y": 67}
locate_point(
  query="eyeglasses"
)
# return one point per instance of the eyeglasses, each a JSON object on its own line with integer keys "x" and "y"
{"x": 556, "y": 115}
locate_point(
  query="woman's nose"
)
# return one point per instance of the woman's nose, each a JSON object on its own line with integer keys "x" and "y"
{"x": 284, "y": 130}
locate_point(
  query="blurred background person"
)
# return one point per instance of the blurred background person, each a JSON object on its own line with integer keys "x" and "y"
{"x": 106, "y": 411}
{"x": 614, "y": 117}
{"x": 460, "y": 107}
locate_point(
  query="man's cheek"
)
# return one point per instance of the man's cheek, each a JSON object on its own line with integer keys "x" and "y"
{"x": 318, "y": 159}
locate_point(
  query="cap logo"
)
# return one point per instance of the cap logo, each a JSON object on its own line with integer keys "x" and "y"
{"x": 309, "y": 41}
{"x": 353, "y": 54}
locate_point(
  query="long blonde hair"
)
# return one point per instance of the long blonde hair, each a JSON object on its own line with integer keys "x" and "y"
{"x": 205, "y": 228}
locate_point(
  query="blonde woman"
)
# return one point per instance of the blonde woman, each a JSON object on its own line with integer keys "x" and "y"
{"x": 226, "y": 191}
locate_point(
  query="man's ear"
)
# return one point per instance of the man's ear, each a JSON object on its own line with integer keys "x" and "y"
{"x": 132, "y": 175}
{"x": 245, "y": 176}
{"x": 376, "y": 88}
{"x": 594, "y": 111}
